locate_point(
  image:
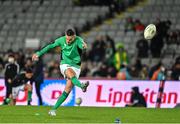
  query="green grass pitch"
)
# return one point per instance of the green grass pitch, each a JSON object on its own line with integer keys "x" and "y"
{"x": 39, "y": 114}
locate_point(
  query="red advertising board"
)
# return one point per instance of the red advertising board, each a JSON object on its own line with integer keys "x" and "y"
{"x": 108, "y": 93}
{"x": 114, "y": 93}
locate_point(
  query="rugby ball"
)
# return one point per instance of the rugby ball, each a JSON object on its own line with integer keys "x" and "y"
{"x": 150, "y": 31}
{"x": 78, "y": 101}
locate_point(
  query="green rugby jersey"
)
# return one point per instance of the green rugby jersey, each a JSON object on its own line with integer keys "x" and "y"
{"x": 70, "y": 53}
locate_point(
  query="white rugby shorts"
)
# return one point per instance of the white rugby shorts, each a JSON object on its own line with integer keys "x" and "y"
{"x": 15, "y": 90}
{"x": 63, "y": 68}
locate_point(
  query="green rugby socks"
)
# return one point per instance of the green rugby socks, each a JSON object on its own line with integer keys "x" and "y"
{"x": 76, "y": 82}
{"x": 60, "y": 100}
{"x": 29, "y": 95}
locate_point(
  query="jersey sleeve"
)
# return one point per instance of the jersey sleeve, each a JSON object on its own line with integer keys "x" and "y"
{"x": 45, "y": 49}
{"x": 80, "y": 43}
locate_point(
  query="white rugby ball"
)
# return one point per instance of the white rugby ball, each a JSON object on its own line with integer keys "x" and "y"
{"x": 78, "y": 101}
{"x": 150, "y": 31}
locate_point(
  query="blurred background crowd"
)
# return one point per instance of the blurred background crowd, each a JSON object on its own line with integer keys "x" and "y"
{"x": 113, "y": 30}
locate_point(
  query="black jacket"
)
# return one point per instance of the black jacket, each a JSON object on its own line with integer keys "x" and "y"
{"x": 137, "y": 99}
{"x": 21, "y": 79}
{"x": 11, "y": 70}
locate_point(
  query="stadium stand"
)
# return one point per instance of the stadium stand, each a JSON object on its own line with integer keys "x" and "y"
{"x": 164, "y": 10}
{"x": 42, "y": 20}
{"x": 47, "y": 19}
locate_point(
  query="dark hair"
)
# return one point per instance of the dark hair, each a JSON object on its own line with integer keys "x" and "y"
{"x": 11, "y": 55}
{"x": 70, "y": 32}
{"x": 29, "y": 70}
{"x": 177, "y": 60}
{"x": 135, "y": 89}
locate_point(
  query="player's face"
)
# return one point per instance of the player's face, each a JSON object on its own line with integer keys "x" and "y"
{"x": 70, "y": 39}
{"x": 29, "y": 75}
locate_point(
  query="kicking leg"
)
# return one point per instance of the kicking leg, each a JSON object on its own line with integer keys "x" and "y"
{"x": 72, "y": 76}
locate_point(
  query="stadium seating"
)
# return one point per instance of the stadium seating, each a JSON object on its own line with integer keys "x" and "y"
{"x": 43, "y": 20}
{"x": 163, "y": 9}
{"x": 47, "y": 19}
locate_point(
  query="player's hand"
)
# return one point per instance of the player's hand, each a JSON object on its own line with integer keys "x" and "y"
{"x": 9, "y": 81}
{"x": 35, "y": 57}
{"x": 84, "y": 45}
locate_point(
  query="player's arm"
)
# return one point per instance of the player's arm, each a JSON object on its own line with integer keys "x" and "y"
{"x": 45, "y": 49}
{"x": 85, "y": 45}
{"x": 82, "y": 44}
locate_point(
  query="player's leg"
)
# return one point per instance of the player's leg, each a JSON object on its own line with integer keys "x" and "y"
{"x": 28, "y": 87}
{"x": 64, "y": 95}
{"x": 70, "y": 73}
{"x": 62, "y": 98}
{"x": 13, "y": 101}
{"x": 15, "y": 92}
{"x": 8, "y": 100}
{"x": 8, "y": 92}
{"x": 73, "y": 73}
